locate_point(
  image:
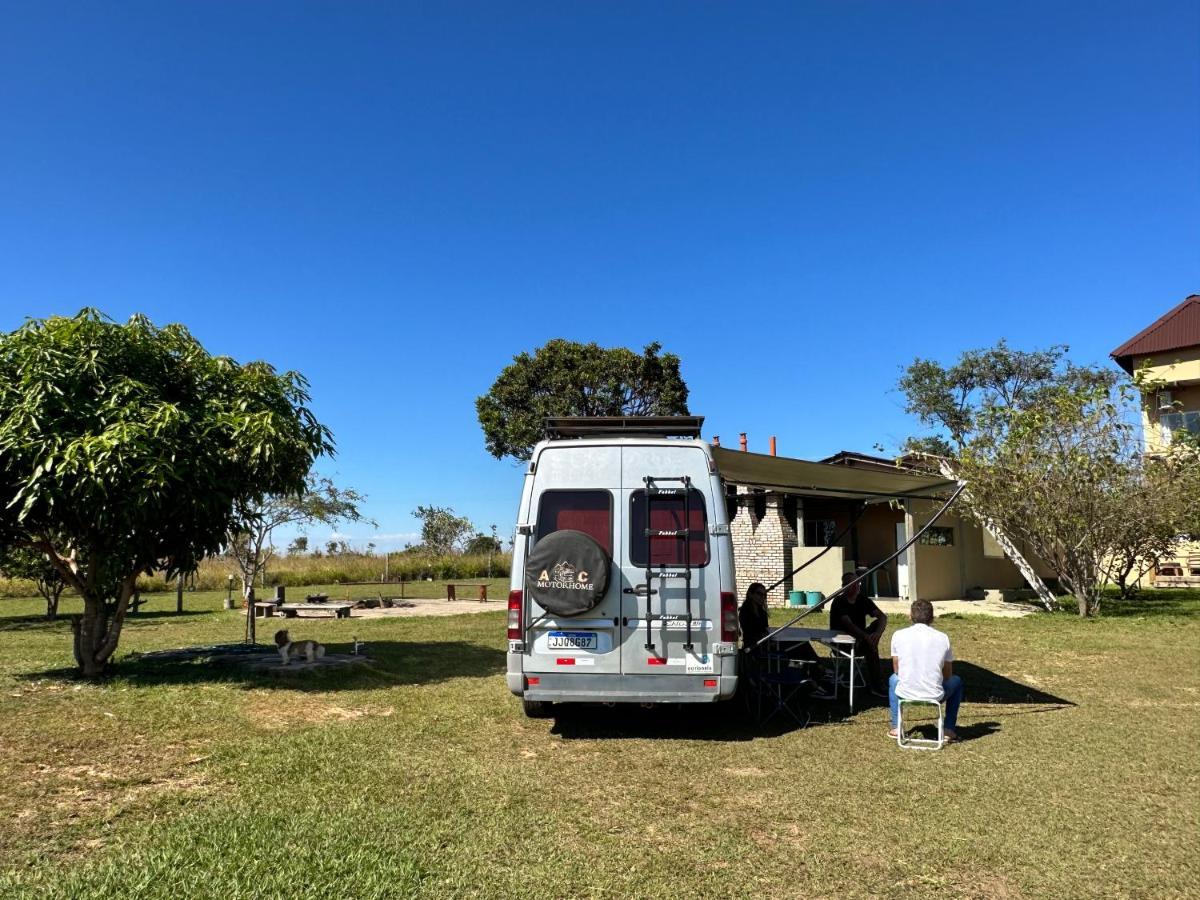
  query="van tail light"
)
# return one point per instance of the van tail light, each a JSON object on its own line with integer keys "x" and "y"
{"x": 515, "y": 602}
{"x": 729, "y": 619}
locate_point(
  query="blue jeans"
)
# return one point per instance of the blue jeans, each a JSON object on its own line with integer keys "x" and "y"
{"x": 953, "y": 686}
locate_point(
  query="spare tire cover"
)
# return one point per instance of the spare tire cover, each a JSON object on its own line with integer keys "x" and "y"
{"x": 567, "y": 573}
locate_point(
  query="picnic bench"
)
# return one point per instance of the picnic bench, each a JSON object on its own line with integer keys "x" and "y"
{"x": 451, "y": 593}
{"x": 340, "y": 609}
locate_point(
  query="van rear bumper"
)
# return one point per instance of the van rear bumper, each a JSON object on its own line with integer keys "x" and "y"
{"x": 615, "y": 688}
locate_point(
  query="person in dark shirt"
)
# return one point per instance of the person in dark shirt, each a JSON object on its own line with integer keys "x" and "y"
{"x": 755, "y": 624}
{"x": 753, "y": 616}
{"x": 848, "y": 613}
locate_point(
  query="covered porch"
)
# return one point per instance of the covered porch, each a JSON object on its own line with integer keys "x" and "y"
{"x": 839, "y": 518}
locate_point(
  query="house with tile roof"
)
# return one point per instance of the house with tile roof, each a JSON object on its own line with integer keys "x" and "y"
{"x": 1165, "y": 355}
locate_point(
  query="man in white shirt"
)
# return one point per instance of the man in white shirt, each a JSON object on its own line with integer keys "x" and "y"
{"x": 922, "y": 667}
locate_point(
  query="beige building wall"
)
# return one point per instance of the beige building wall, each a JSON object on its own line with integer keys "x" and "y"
{"x": 1180, "y": 369}
{"x": 824, "y": 575}
{"x": 974, "y": 561}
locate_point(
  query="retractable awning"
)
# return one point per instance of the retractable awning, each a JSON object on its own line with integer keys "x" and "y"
{"x": 799, "y": 476}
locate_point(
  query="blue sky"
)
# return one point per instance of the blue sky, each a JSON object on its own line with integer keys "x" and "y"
{"x": 795, "y": 198}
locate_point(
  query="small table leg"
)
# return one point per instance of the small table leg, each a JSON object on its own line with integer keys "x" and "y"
{"x": 853, "y": 649}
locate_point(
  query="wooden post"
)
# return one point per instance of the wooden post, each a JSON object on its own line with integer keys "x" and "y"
{"x": 251, "y": 625}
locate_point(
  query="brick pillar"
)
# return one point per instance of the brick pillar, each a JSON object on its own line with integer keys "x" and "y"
{"x": 775, "y": 538}
{"x": 762, "y": 548}
{"x": 741, "y": 532}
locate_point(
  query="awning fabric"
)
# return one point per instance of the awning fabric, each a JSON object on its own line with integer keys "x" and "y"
{"x": 799, "y": 476}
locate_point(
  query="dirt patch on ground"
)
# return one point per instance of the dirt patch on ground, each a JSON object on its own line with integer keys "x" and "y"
{"x": 275, "y": 712}
{"x": 78, "y": 796}
{"x": 416, "y": 607}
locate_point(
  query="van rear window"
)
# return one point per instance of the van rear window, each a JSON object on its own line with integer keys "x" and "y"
{"x": 586, "y": 511}
{"x": 666, "y": 514}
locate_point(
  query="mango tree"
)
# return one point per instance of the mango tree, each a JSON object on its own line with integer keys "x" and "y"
{"x": 566, "y": 378}
{"x": 125, "y": 448}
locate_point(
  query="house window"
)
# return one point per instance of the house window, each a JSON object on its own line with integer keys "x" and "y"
{"x": 1178, "y": 421}
{"x": 819, "y": 532}
{"x": 938, "y": 537}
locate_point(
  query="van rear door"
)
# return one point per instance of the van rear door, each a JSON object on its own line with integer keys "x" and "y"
{"x": 577, "y": 488}
{"x": 676, "y": 506}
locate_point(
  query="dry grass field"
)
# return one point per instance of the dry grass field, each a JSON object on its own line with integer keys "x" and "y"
{"x": 418, "y": 775}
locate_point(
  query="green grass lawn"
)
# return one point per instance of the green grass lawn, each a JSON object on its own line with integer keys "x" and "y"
{"x": 1078, "y": 775}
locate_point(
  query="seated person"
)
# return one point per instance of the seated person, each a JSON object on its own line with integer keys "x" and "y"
{"x": 755, "y": 624}
{"x": 848, "y": 613}
{"x": 923, "y": 668}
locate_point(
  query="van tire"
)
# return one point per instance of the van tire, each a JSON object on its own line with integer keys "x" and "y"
{"x": 536, "y": 709}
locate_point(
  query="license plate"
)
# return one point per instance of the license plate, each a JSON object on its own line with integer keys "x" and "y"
{"x": 573, "y": 640}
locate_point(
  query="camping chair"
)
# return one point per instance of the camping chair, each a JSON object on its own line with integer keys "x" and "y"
{"x": 776, "y": 684}
{"x": 911, "y": 743}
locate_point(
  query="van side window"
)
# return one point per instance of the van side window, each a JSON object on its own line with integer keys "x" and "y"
{"x": 666, "y": 514}
{"x": 586, "y": 511}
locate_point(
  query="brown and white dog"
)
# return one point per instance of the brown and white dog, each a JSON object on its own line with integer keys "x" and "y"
{"x": 287, "y": 647}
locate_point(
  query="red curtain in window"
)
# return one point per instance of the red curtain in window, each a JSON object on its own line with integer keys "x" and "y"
{"x": 667, "y": 515}
{"x": 586, "y": 511}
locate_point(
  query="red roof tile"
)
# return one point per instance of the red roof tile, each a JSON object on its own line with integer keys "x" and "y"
{"x": 1177, "y": 329}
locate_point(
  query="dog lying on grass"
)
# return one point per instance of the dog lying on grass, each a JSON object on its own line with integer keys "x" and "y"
{"x": 311, "y": 650}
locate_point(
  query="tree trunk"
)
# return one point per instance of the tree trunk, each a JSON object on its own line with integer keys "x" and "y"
{"x": 1084, "y": 587}
{"x": 90, "y": 631}
{"x": 98, "y": 630}
{"x": 1010, "y": 549}
{"x": 52, "y": 605}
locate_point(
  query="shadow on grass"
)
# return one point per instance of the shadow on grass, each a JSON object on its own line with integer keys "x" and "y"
{"x": 389, "y": 663}
{"x": 726, "y": 721}
{"x": 964, "y": 733}
{"x": 981, "y": 685}
{"x": 1161, "y": 602}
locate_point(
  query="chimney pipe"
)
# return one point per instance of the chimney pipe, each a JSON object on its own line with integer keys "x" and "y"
{"x": 716, "y": 441}
{"x": 772, "y": 445}
{"x": 742, "y": 441}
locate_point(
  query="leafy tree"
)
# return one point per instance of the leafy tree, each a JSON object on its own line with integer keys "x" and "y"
{"x": 298, "y": 546}
{"x": 126, "y": 449}
{"x": 956, "y": 403}
{"x": 565, "y": 378}
{"x": 30, "y": 565}
{"x": 1059, "y": 475}
{"x": 483, "y": 543}
{"x": 1159, "y": 499}
{"x": 319, "y": 501}
{"x": 441, "y": 530}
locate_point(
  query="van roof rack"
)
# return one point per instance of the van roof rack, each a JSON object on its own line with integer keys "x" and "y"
{"x": 651, "y": 426}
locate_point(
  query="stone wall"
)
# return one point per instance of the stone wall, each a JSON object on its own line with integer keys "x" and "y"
{"x": 762, "y": 547}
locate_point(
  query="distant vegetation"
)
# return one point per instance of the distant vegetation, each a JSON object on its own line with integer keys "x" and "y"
{"x": 296, "y": 571}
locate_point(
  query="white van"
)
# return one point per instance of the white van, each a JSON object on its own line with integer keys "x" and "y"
{"x": 623, "y": 587}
